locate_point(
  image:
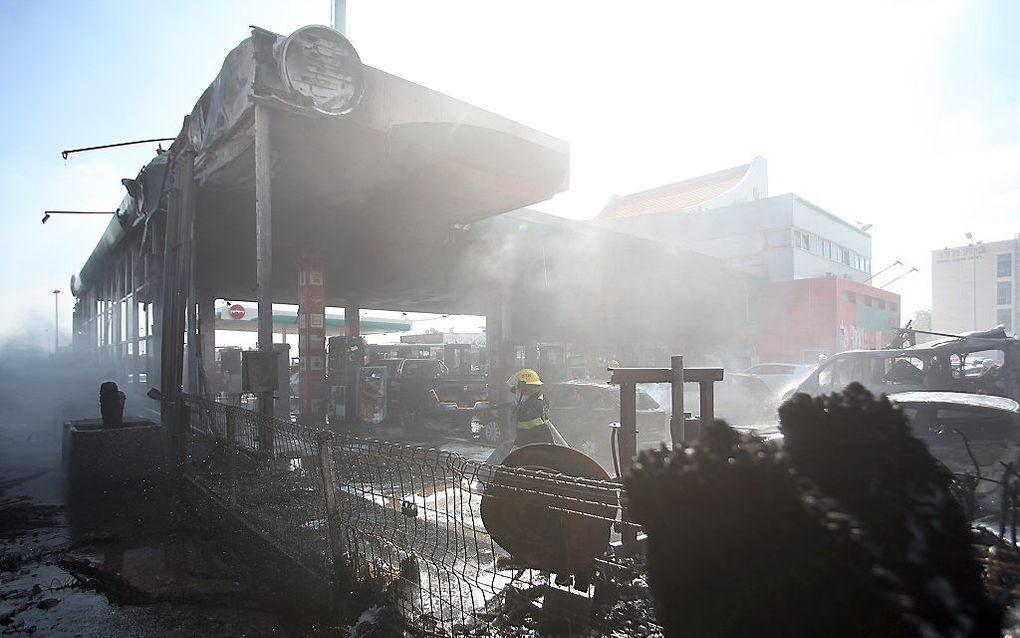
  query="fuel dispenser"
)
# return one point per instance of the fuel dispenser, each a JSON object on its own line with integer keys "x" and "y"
{"x": 356, "y": 393}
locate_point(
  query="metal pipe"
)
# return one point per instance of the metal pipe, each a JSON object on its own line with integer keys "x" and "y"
{"x": 47, "y": 213}
{"x": 893, "y": 265}
{"x": 56, "y": 321}
{"x": 67, "y": 152}
{"x": 913, "y": 269}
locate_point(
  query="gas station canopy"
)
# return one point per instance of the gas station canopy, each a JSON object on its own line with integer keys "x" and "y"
{"x": 372, "y": 171}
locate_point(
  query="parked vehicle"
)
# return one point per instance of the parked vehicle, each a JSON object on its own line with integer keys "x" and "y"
{"x": 422, "y": 390}
{"x": 780, "y": 377}
{"x": 968, "y": 433}
{"x": 976, "y": 363}
{"x": 582, "y": 411}
{"x": 739, "y": 399}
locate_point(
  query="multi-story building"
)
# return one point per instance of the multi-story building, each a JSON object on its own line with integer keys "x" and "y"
{"x": 730, "y": 215}
{"x": 815, "y": 267}
{"x": 974, "y": 287}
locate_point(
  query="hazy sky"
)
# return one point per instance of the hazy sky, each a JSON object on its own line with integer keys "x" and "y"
{"x": 903, "y": 114}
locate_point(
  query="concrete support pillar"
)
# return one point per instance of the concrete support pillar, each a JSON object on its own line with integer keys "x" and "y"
{"x": 312, "y": 338}
{"x": 207, "y": 341}
{"x": 497, "y": 330}
{"x": 352, "y": 320}
{"x": 264, "y": 241}
{"x": 352, "y": 326}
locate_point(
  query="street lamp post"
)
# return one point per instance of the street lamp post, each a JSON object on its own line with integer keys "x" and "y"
{"x": 56, "y": 321}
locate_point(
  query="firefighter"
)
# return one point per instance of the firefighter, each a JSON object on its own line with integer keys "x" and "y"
{"x": 532, "y": 410}
{"x": 531, "y": 414}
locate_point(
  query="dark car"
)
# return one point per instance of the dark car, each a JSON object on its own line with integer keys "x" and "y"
{"x": 740, "y": 399}
{"x": 582, "y": 411}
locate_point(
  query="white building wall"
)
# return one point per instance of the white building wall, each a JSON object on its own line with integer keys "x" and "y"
{"x": 823, "y": 224}
{"x": 965, "y": 288}
{"x": 758, "y": 236}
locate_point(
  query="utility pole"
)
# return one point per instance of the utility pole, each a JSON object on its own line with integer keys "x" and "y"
{"x": 56, "y": 321}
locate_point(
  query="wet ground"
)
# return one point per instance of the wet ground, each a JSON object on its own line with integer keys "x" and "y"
{"x": 110, "y": 565}
{"x": 129, "y": 563}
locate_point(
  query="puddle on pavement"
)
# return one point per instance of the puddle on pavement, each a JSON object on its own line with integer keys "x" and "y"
{"x": 120, "y": 564}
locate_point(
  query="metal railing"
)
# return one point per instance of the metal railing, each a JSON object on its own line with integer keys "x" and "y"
{"x": 402, "y": 522}
{"x": 278, "y": 493}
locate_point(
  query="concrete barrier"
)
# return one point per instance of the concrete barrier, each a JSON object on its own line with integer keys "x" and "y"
{"x": 98, "y": 456}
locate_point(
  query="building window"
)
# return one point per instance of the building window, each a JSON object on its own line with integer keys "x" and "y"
{"x": 881, "y": 304}
{"x": 1004, "y": 293}
{"x": 850, "y": 297}
{"x": 892, "y": 306}
{"x": 1004, "y": 317}
{"x": 1004, "y": 265}
{"x": 867, "y": 302}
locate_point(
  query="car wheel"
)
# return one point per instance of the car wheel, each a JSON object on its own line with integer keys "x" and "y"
{"x": 492, "y": 432}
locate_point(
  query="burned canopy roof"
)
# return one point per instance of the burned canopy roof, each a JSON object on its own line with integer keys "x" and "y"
{"x": 367, "y": 168}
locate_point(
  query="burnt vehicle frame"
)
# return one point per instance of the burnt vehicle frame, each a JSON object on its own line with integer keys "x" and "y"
{"x": 983, "y": 363}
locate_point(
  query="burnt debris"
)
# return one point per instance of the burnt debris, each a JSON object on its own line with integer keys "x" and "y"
{"x": 858, "y": 449}
{"x": 739, "y": 545}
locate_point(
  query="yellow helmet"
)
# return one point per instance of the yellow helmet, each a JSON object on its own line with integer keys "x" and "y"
{"x": 527, "y": 376}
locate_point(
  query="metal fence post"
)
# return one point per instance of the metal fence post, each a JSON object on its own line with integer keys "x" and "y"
{"x": 182, "y": 429}
{"x": 231, "y": 452}
{"x": 707, "y": 392}
{"x": 324, "y": 439}
{"x": 628, "y": 450}
{"x": 677, "y": 420}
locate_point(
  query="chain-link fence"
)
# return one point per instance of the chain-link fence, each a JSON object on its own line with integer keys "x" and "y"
{"x": 406, "y": 522}
{"x": 414, "y": 517}
{"x": 265, "y": 470}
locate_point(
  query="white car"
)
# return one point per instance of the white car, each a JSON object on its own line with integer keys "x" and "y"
{"x": 780, "y": 377}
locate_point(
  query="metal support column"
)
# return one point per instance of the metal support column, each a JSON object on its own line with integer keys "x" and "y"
{"x": 706, "y": 391}
{"x": 207, "y": 341}
{"x": 264, "y": 260}
{"x": 176, "y": 274}
{"x": 676, "y": 417}
{"x": 628, "y": 450}
{"x": 497, "y": 324}
{"x": 352, "y": 327}
{"x": 263, "y": 240}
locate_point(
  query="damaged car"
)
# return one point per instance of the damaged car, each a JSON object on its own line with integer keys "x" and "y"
{"x": 986, "y": 363}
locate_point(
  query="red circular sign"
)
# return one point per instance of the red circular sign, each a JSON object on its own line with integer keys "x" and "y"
{"x": 237, "y": 311}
